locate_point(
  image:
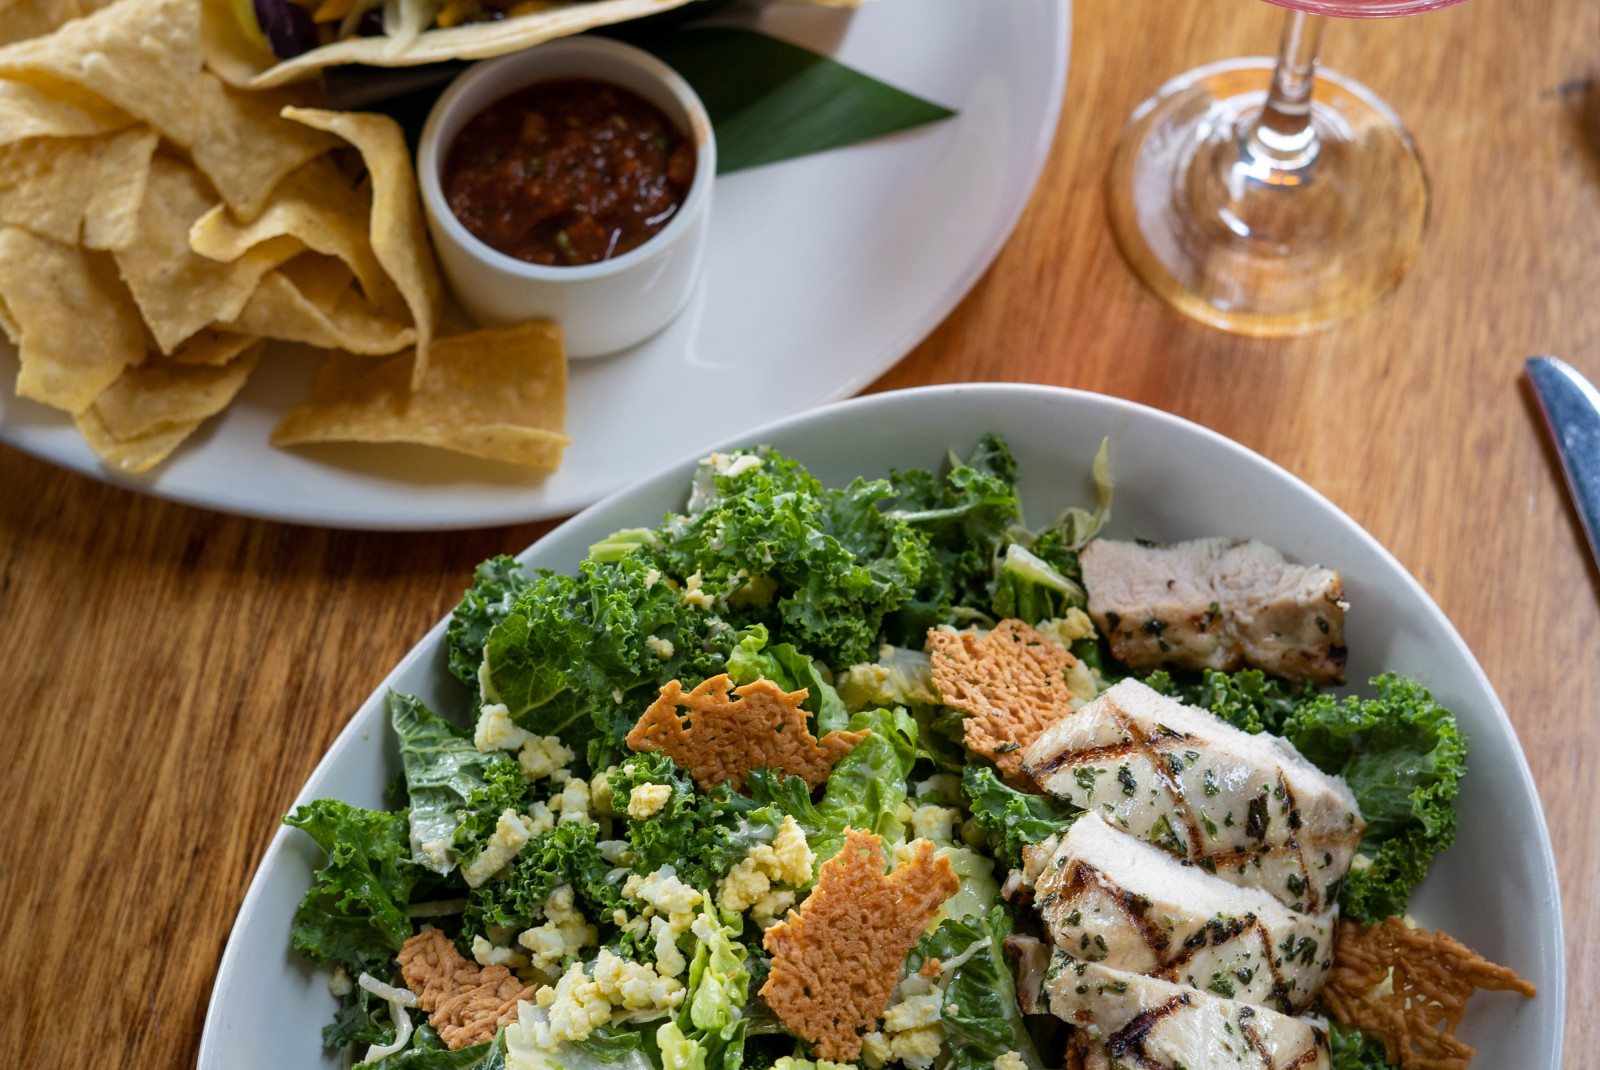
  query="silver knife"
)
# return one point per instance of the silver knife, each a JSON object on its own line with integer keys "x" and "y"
{"x": 1571, "y": 407}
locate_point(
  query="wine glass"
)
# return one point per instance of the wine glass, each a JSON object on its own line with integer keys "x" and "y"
{"x": 1269, "y": 197}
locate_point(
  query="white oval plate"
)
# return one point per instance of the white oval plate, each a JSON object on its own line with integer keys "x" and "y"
{"x": 1495, "y": 889}
{"x": 820, "y": 273}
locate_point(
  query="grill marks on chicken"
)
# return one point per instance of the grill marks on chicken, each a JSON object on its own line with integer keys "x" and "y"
{"x": 1125, "y": 1019}
{"x": 1106, "y": 897}
{"x": 1217, "y": 604}
{"x": 1248, "y": 809}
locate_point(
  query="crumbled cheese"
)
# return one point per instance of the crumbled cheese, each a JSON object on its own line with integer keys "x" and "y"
{"x": 875, "y": 1049}
{"x": 542, "y": 755}
{"x": 511, "y": 833}
{"x": 540, "y": 819}
{"x": 576, "y": 1006}
{"x": 1010, "y": 1060}
{"x": 497, "y": 731}
{"x": 770, "y": 908}
{"x": 652, "y": 577}
{"x": 572, "y": 803}
{"x": 693, "y": 595}
{"x": 912, "y": 1013}
{"x": 437, "y": 853}
{"x": 635, "y": 986}
{"x": 661, "y": 648}
{"x": 486, "y": 954}
{"x": 669, "y": 960}
{"x": 935, "y": 823}
{"x": 646, "y": 800}
{"x": 564, "y": 933}
{"x": 1360, "y": 863}
{"x": 789, "y": 1062}
{"x": 617, "y": 852}
{"x": 918, "y": 1048}
{"x": 339, "y": 983}
{"x": 905, "y": 851}
{"x": 600, "y": 801}
{"x": 788, "y": 859}
{"x": 1068, "y": 629}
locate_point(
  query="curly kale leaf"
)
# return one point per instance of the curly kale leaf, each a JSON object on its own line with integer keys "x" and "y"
{"x": 566, "y": 854}
{"x": 702, "y": 835}
{"x": 969, "y": 515}
{"x": 1403, "y": 756}
{"x": 575, "y": 655}
{"x": 362, "y": 1019}
{"x": 355, "y": 910}
{"x": 442, "y": 768}
{"x": 1013, "y": 820}
{"x": 1249, "y": 700}
{"x": 502, "y": 788}
{"x": 981, "y": 1018}
{"x": 819, "y": 568}
{"x": 496, "y": 586}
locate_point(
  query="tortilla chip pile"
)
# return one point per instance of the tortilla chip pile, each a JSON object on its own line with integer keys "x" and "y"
{"x": 157, "y": 227}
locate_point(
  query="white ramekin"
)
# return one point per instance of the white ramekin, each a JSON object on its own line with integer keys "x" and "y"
{"x": 601, "y": 307}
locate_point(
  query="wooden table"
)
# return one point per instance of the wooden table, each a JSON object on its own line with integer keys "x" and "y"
{"x": 171, "y": 676}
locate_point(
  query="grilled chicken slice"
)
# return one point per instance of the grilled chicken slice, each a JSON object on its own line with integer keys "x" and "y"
{"x": 1130, "y": 1020}
{"x": 1247, "y": 808}
{"x": 1216, "y": 604}
{"x": 1109, "y": 898}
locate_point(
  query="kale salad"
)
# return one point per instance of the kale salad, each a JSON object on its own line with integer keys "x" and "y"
{"x": 576, "y": 873}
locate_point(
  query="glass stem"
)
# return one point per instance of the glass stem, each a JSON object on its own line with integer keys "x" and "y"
{"x": 1283, "y": 138}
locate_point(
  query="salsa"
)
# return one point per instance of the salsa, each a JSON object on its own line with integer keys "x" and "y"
{"x": 568, "y": 172}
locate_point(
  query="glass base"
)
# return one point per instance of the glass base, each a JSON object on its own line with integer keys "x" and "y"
{"x": 1256, "y": 250}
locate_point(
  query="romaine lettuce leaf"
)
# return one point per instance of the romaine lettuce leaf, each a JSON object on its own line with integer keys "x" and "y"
{"x": 355, "y": 910}
{"x": 1030, "y": 588}
{"x": 980, "y": 1014}
{"x": 1012, "y": 819}
{"x": 443, "y": 768}
{"x": 496, "y": 586}
{"x": 867, "y": 785}
{"x": 752, "y": 660}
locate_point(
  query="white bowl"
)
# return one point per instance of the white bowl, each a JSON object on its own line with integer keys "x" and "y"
{"x": 604, "y": 307}
{"x": 1495, "y": 889}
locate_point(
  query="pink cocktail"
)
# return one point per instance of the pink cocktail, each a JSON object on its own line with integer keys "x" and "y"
{"x": 1265, "y": 196}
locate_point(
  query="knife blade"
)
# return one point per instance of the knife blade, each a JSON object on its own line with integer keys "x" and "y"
{"x": 1571, "y": 407}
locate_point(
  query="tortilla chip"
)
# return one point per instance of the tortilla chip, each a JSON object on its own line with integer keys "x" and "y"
{"x": 178, "y": 291}
{"x": 77, "y": 189}
{"x": 475, "y": 40}
{"x": 499, "y": 394}
{"x": 148, "y": 412}
{"x": 278, "y": 309}
{"x": 230, "y": 52}
{"x": 214, "y": 346}
{"x": 144, "y": 57}
{"x": 161, "y": 394}
{"x": 399, "y": 237}
{"x": 320, "y": 206}
{"x": 28, "y": 110}
{"x": 74, "y": 324}
{"x": 22, "y": 19}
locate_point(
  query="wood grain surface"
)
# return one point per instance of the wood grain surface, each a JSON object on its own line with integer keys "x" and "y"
{"x": 171, "y": 676}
